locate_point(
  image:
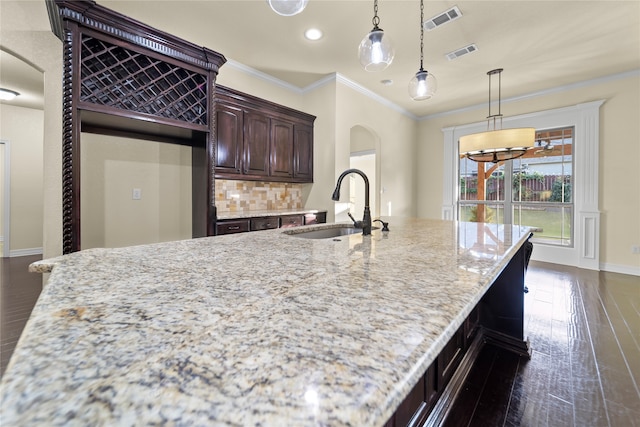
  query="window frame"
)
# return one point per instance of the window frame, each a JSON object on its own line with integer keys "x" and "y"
{"x": 585, "y": 119}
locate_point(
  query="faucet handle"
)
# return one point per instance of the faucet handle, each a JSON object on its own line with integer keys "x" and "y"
{"x": 356, "y": 223}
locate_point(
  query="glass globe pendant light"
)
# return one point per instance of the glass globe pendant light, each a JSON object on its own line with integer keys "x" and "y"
{"x": 287, "y": 7}
{"x": 375, "y": 51}
{"x": 423, "y": 85}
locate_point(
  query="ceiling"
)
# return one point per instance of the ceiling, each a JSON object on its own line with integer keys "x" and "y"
{"x": 540, "y": 44}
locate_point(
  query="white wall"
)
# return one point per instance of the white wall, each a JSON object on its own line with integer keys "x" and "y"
{"x": 32, "y": 40}
{"x": 23, "y": 128}
{"x": 111, "y": 167}
{"x": 397, "y": 135}
{"x": 618, "y": 166}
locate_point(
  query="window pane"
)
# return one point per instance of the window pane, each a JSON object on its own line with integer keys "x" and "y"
{"x": 544, "y": 173}
{"x": 473, "y": 185}
{"x": 481, "y": 212}
{"x": 468, "y": 180}
{"x": 495, "y": 182}
{"x": 553, "y": 222}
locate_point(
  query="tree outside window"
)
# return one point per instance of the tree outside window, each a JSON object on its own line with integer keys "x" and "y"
{"x": 534, "y": 190}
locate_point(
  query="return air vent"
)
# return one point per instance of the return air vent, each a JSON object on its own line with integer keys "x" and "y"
{"x": 460, "y": 52}
{"x": 443, "y": 18}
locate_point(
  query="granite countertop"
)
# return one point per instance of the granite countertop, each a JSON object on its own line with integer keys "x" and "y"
{"x": 263, "y": 213}
{"x": 249, "y": 329}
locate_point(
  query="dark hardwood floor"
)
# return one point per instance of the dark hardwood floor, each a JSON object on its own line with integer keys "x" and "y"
{"x": 19, "y": 291}
{"x": 584, "y": 329}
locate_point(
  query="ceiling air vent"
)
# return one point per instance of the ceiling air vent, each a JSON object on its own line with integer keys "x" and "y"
{"x": 460, "y": 52}
{"x": 443, "y": 18}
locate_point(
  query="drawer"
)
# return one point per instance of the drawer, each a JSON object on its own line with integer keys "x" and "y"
{"x": 230, "y": 227}
{"x": 291, "y": 220}
{"x": 315, "y": 218}
{"x": 264, "y": 223}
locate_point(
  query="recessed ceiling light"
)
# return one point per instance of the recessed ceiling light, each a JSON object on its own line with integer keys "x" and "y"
{"x": 386, "y": 82}
{"x": 313, "y": 34}
{"x": 7, "y": 94}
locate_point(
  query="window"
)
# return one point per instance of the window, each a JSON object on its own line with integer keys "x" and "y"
{"x": 542, "y": 182}
{"x": 571, "y": 233}
{"x": 533, "y": 190}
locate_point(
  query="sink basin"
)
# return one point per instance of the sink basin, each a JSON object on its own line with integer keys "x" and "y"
{"x": 327, "y": 233}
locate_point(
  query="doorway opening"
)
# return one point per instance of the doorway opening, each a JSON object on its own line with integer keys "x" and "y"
{"x": 366, "y": 162}
{"x": 5, "y": 198}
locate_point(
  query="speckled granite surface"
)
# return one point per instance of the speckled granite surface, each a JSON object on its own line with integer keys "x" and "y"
{"x": 249, "y": 329}
{"x": 262, "y": 213}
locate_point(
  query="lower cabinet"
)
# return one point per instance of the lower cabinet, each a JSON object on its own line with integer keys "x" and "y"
{"x": 232, "y": 226}
{"x": 450, "y": 357}
{"x": 420, "y": 401}
{"x": 266, "y": 223}
{"x": 287, "y": 221}
{"x": 414, "y": 410}
{"x": 240, "y": 225}
{"x": 315, "y": 218}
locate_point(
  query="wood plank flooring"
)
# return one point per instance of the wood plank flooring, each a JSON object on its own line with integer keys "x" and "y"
{"x": 19, "y": 291}
{"x": 584, "y": 329}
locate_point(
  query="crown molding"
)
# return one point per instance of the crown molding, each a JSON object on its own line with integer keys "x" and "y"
{"x": 339, "y": 78}
{"x": 558, "y": 89}
{"x": 330, "y": 78}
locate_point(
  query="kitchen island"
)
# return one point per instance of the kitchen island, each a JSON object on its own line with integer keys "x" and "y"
{"x": 260, "y": 328}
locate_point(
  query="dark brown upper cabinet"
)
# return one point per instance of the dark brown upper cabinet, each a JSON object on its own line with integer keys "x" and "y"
{"x": 256, "y": 144}
{"x": 229, "y": 123}
{"x": 124, "y": 78}
{"x": 261, "y": 141}
{"x": 303, "y": 153}
{"x": 281, "y": 150}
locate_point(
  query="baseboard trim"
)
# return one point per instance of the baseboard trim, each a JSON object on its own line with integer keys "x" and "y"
{"x": 622, "y": 269}
{"x": 25, "y": 252}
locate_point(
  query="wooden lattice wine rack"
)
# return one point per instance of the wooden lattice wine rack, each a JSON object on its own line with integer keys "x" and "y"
{"x": 122, "y": 77}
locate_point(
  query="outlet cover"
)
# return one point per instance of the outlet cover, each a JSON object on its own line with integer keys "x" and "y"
{"x": 136, "y": 194}
{"x": 635, "y": 249}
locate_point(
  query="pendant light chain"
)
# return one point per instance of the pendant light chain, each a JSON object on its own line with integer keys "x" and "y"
{"x": 421, "y": 34}
{"x": 376, "y": 20}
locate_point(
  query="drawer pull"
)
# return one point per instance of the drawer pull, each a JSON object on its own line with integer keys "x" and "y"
{"x": 234, "y": 227}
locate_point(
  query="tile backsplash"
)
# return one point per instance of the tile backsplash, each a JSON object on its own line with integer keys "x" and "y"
{"x": 241, "y": 196}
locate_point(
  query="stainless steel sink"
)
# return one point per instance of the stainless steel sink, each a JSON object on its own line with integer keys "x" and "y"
{"x": 327, "y": 233}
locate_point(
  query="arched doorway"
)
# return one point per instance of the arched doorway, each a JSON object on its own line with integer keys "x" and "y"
{"x": 22, "y": 135}
{"x": 364, "y": 155}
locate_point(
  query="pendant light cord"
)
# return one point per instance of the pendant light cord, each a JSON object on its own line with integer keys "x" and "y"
{"x": 421, "y": 34}
{"x": 491, "y": 73}
{"x": 376, "y": 20}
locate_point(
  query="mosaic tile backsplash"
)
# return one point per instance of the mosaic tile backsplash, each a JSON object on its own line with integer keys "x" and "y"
{"x": 242, "y": 196}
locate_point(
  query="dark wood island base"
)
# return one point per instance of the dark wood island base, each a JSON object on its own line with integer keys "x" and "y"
{"x": 498, "y": 320}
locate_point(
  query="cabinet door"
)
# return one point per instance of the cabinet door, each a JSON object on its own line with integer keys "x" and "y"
{"x": 256, "y": 144}
{"x": 315, "y": 218}
{"x": 287, "y": 221}
{"x": 449, "y": 358}
{"x": 229, "y": 134}
{"x": 281, "y": 149}
{"x": 303, "y": 153}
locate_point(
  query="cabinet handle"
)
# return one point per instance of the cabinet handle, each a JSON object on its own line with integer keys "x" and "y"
{"x": 234, "y": 227}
